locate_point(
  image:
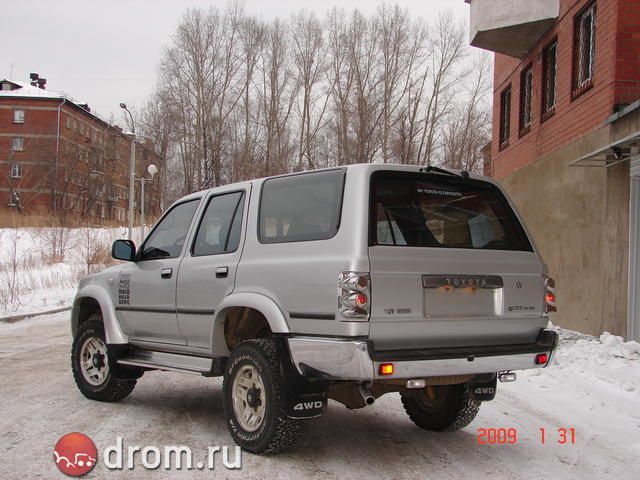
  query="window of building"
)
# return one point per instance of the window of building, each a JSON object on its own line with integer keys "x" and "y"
{"x": 549, "y": 73}
{"x": 17, "y": 144}
{"x": 526, "y": 91}
{"x": 18, "y": 116}
{"x": 584, "y": 32}
{"x": 14, "y": 199}
{"x": 505, "y": 117}
{"x": 68, "y": 122}
{"x": 16, "y": 170}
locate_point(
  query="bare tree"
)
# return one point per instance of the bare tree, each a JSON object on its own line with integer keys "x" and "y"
{"x": 447, "y": 42}
{"x": 10, "y": 284}
{"x": 342, "y": 78}
{"x": 402, "y": 51}
{"x": 247, "y": 130}
{"x": 91, "y": 248}
{"x": 242, "y": 98}
{"x": 309, "y": 59}
{"x": 468, "y": 128}
{"x": 157, "y": 125}
{"x": 277, "y": 94}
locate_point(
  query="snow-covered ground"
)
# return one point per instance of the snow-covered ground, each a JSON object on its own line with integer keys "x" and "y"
{"x": 33, "y": 279}
{"x": 593, "y": 387}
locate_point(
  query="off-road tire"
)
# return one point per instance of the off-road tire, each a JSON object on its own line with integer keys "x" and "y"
{"x": 277, "y": 431}
{"x": 454, "y": 410}
{"x": 112, "y": 389}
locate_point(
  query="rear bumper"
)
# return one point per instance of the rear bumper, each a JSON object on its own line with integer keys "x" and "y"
{"x": 344, "y": 359}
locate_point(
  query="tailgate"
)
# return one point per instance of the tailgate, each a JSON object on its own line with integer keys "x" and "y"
{"x": 454, "y": 298}
{"x": 451, "y": 265}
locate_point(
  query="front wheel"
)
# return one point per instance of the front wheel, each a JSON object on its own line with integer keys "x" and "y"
{"x": 254, "y": 399}
{"x": 92, "y": 365}
{"x": 443, "y": 408}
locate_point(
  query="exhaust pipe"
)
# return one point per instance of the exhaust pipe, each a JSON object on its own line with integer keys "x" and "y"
{"x": 366, "y": 395}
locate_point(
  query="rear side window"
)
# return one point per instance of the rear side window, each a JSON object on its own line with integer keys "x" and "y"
{"x": 219, "y": 230}
{"x": 421, "y": 210}
{"x": 300, "y": 208}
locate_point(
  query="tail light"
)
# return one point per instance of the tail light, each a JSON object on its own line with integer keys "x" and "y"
{"x": 549, "y": 295}
{"x": 354, "y": 294}
{"x": 541, "y": 359}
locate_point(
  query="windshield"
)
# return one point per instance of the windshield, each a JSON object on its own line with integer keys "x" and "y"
{"x": 422, "y": 210}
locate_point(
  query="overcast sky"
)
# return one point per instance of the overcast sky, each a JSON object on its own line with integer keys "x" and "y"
{"x": 107, "y": 51}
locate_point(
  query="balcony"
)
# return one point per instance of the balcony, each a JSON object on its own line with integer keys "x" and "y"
{"x": 508, "y": 27}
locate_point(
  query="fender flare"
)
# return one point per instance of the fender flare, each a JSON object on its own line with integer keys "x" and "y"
{"x": 112, "y": 330}
{"x": 265, "y": 305}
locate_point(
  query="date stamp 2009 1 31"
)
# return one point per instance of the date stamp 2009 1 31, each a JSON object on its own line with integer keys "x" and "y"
{"x": 509, "y": 436}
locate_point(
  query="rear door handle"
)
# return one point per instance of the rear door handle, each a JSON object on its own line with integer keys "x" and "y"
{"x": 166, "y": 273}
{"x": 222, "y": 272}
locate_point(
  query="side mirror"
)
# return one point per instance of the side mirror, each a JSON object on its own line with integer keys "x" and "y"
{"x": 124, "y": 250}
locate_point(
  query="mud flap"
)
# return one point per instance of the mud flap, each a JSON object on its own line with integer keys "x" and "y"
{"x": 483, "y": 391}
{"x": 305, "y": 398}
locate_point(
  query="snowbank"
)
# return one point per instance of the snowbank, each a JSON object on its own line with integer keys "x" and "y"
{"x": 33, "y": 279}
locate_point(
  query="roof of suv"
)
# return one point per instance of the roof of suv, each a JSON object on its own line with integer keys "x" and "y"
{"x": 359, "y": 167}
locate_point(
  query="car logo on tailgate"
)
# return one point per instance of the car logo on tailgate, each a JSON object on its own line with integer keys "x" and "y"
{"x": 462, "y": 281}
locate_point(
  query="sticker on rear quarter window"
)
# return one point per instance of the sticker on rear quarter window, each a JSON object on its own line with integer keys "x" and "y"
{"x": 124, "y": 289}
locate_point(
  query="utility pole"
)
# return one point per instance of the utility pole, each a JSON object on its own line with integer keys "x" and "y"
{"x": 132, "y": 172}
{"x": 152, "y": 169}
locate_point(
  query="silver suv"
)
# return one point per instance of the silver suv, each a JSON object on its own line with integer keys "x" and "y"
{"x": 343, "y": 283}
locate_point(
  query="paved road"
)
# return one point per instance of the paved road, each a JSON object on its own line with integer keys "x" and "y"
{"x": 40, "y": 404}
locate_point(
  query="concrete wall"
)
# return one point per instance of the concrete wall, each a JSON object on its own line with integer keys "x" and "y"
{"x": 579, "y": 219}
{"x": 497, "y": 14}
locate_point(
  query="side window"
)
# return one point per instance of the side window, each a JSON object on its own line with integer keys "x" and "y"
{"x": 219, "y": 230}
{"x": 18, "y": 116}
{"x": 300, "y": 208}
{"x": 168, "y": 236}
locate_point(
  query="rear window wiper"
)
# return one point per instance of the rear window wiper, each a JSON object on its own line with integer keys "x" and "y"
{"x": 430, "y": 168}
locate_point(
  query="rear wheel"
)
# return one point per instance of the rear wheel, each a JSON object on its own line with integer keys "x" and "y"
{"x": 443, "y": 408}
{"x": 254, "y": 399}
{"x": 94, "y": 367}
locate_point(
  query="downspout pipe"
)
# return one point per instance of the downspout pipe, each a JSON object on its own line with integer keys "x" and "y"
{"x": 55, "y": 176}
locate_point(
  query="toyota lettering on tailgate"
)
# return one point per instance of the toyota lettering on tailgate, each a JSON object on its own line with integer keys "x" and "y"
{"x": 462, "y": 281}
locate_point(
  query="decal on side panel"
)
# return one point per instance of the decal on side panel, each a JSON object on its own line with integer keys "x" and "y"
{"x": 124, "y": 287}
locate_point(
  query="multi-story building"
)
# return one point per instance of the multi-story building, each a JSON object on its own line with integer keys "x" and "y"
{"x": 58, "y": 158}
{"x": 565, "y": 144}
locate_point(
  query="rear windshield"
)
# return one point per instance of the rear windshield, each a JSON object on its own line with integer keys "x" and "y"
{"x": 427, "y": 210}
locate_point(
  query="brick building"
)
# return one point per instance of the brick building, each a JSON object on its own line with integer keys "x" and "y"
{"x": 565, "y": 144}
{"x": 56, "y": 157}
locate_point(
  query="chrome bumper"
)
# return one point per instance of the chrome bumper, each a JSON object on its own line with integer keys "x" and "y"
{"x": 343, "y": 359}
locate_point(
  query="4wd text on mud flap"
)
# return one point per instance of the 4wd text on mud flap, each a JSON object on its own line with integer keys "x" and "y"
{"x": 484, "y": 390}
{"x": 308, "y": 405}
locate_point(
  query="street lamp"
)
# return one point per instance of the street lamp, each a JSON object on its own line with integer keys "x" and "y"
{"x": 152, "y": 169}
{"x": 132, "y": 172}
